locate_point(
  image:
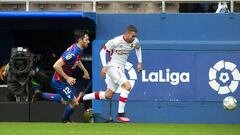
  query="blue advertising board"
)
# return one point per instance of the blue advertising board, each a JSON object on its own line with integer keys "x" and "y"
{"x": 183, "y": 75}
{"x": 187, "y": 76}
{"x": 190, "y": 61}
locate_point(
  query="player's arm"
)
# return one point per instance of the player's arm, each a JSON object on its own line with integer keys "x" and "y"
{"x": 58, "y": 67}
{"x": 139, "y": 56}
{"x": 104, "y": 61}
{"x": 107, "y": 47}
{"x": 81, "y": 66}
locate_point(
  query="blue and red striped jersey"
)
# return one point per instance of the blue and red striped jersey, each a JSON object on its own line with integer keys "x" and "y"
{"x": 70, "y": 57}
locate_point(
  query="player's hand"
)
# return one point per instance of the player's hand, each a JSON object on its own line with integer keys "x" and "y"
{"x": 86, "y": 75}
{"x": 71, "y": 80}
{"x": 104, "y": 71}
{"x": 139, "y": 67}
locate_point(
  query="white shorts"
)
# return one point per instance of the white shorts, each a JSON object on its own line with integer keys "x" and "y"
{"x": 115, "y": 77}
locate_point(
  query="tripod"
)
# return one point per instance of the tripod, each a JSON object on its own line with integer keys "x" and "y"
{"x": 110, "y": 118}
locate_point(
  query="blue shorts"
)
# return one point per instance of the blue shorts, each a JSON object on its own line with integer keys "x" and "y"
{"x": 64, "y": 89}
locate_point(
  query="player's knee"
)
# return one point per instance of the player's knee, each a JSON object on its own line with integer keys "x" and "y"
{"x": 64, "y": 102}
{"x": 74, "y": 103}
{"x": 108, "y": 96}
{"x": 127, "y": 86}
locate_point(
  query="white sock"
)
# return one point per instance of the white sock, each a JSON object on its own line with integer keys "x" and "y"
{"x": 95, "y": 95}
{"x": 122, "y": 99}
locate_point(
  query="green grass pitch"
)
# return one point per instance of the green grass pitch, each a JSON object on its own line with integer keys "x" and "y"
{"x": 8, "y": 128}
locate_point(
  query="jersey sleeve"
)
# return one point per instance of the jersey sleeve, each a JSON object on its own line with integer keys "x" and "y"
{"x": 110, "y": 45}
{"x": 138, "y": 50}
{"x": 136, "y": 43}
{"x": 68, "y": 56}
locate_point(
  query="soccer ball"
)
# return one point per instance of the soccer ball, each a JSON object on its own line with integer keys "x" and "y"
{"x": 229, "y": 103}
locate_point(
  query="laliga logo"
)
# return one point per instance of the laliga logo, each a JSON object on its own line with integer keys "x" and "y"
{"x": 174, "y": 78}
{"x": 224, "y": 77}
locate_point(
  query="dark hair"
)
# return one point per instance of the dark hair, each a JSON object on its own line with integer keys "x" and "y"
{"x": 131, "y": 28}
{"x": 79, "y": 34}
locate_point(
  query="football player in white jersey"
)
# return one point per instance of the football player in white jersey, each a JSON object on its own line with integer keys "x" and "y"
{"x": 119, "y": 49}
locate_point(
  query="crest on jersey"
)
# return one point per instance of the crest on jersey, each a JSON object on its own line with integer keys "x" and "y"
{"x": 69, "y": 56}
{"x": 132, "y": 45}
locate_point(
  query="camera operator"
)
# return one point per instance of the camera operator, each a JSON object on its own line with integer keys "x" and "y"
{"x": 40, "y": 78}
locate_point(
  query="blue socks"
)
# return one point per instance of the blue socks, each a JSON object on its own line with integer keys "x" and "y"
{"x": 52, "y": 97}
{"x": 57, "y": 98}
{"x": 68, "y": 111}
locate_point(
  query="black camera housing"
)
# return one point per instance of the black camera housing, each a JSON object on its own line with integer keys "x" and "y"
{"x": 21, "y": 61}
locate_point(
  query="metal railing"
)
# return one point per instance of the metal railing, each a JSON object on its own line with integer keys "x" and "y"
{"x": 94, "y": 2}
